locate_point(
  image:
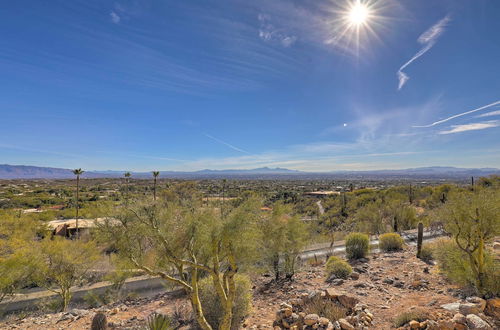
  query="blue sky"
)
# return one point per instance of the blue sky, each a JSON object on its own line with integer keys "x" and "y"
{"x": 188, "y": 85}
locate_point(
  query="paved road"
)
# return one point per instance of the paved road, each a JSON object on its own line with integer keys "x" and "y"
{"x": 148, "y": 286}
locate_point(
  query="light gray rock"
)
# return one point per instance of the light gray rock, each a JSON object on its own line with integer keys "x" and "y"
{"x": 452, "y": 307}
{"x": 475, "y": 322}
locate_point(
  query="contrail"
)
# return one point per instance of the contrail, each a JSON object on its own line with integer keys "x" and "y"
{"x": 460, "y": 115}
{"x": 428, "y": 39}
{"x": 226, "y": 144}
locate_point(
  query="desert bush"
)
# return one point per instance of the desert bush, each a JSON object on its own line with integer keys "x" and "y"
{"x": 324, "y": 308}
{"x": 159, "y": 322}
{"x": 99, "y": 322}
{"x": 405, "y": 317}
{"x": 390, "y": 242}
{"x": 455, "y": 265}
{"x": 212, "y": 308}
{"x": 357, "y": 245}
{"x": 426, "y": 253}
{"x": 337, "y": 267}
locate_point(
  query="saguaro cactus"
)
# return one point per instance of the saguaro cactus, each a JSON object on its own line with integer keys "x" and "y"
{"x": 420, "y": 237}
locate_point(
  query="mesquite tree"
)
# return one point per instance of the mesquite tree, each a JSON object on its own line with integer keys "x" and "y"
{"x": 181, "y": 244}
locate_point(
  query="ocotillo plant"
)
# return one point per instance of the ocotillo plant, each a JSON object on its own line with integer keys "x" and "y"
{"x": 420, "y": 237}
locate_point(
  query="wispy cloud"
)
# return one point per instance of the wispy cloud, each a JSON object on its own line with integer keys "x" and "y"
{"x": 471, "y": 127}
{"x": 460, "y": 115}
{"x": 226, "y": 144}
{"x": 489, "y": 114}
{"x": 428, "y": 40}
{"x": 268, "y": 32}
{"x": 115, "y": 18}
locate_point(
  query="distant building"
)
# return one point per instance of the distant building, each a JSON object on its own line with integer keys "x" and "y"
{"x": 322, "y": 193}
{"x": 67, "y": 227}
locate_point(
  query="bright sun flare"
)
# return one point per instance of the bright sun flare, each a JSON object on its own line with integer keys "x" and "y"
{"x": 358, "y": 14}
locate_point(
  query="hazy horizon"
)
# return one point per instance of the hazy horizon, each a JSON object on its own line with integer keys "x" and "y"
{"x": 303, "y": 85}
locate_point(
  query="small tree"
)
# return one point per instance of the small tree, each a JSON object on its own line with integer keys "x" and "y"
{"x": 284, "y": 237}
{"x": 473, "y": 219}
{"x": 62, "y": 264}
{"x": 181, "y": 244}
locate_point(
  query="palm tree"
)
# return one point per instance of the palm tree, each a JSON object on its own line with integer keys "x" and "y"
{"x": 127, "y": 176}
{"x": 155, "y": 176}
{"x": 77, "y": 172}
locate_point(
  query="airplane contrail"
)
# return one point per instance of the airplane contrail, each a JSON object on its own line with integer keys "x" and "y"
{"x": 460, "y": 115}
{"x": 428, "y": 39}
{"x": 226, "y": 144}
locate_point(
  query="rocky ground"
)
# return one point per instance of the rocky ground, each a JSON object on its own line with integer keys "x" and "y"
{"x": 382, "y": 287}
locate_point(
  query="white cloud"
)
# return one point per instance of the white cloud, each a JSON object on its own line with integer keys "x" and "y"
{"x": 471, "y": 127}
{"x": 268, "y": 32}
{"x": 489, "y": 114}
{"x": 428, "y": 39}
{"x": 460, "y": 114}
{"x": 115, "y": 18}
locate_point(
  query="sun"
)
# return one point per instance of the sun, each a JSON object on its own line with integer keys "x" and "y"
{"x": 354, "y": 25}
{"x": 358, "y": 14}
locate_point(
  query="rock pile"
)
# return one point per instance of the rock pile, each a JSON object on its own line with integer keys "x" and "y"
{"x": 468, "y": 315}
{"x": 293, "y": 315}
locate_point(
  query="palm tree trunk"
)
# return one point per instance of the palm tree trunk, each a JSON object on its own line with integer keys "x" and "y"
{"x": 77, "y": 204}
{"x": 154, "y": 190}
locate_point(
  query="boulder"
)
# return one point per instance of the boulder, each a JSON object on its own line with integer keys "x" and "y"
{"x": 354, "y": 275}
{"x": 479, "y": 302}
{"x": 460, "y": 326}
{"x": 332, "y": 293}
{"x": 459, "y": 318}
{"x": 337, "y": 281}
{"x": 446, "y": 325}
{"x": 414, "y": 324}
{"x": 344, "y": 325}
{"x": 475, "y": 322}
{"x": 311, "y": 319}
{"x": 347, "y": 301}
{"x": 469, "y": 308}
{"x": 323, "y": 321}
{"x": 453, "y": 307}
{"x": 493, "y": 308}
{"x": 290, "y": 322}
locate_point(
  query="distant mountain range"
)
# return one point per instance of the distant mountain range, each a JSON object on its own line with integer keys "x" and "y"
{"x": 435, "y": 172}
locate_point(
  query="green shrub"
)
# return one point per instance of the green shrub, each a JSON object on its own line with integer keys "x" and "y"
{"x": 338, "y": 267}
{"x": 324, "y": 308}
{"x": 357, "y": 245}
{"x": 212, "y": 307}
{"x": 455, "y": 265}
{"x": 159, "y": 322}
{"x": 390, "y": 242}
{"x": 405, "y": 317}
